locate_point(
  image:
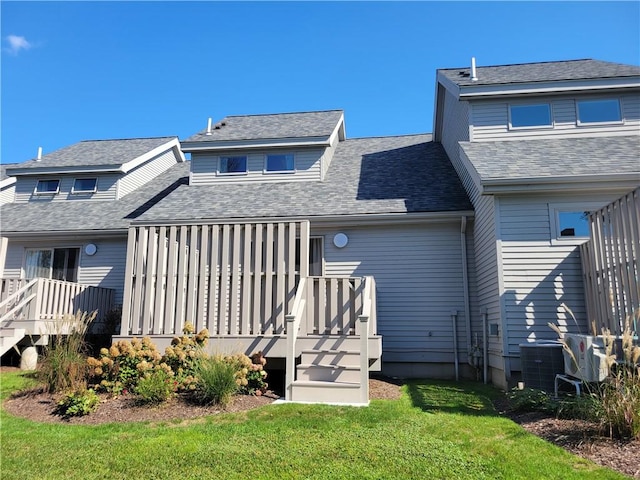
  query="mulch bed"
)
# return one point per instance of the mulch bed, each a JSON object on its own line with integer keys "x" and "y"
{"x": 577, "y": 436}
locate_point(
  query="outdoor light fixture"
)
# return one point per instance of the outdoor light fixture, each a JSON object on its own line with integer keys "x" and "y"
{"x": 340, "y": 240}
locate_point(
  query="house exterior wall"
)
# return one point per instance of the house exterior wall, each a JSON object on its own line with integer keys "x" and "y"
{"x": 105, "y": 188}
{"x": 327, "y": 156}
{"x": 7, "y": 194}
{"x": 308, "y": 164}
{"x": 539, "y": 272}
{"x": 418, "y": 272}
{"x": 104, "y": 269}
{"x": 485, "y": 291}
{"x": 146, "y": 172}
{"x": 490, "y": 119}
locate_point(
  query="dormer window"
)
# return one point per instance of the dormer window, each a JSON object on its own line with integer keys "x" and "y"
{"x": 84, "y": 185}
{"x": 530, "y": 116}
{"x": 47, "y": 187}
{"x": 598, "y": 111}
{"x": 233, "y": 165}
{"x": 280, "y": 163}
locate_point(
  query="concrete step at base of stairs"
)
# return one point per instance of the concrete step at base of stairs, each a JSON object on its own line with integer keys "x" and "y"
{"x": 338, "y": 393}
{"x": 328, "y": 373}
{"x": 331, "y": 357}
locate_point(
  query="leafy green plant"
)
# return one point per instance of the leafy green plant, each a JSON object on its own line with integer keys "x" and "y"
{"x": 156, "y": 386}
{"x": 217, "y": 381}
{"x": 64, "y": 365}
{"x": 531, "y": 400}
{"x": 78, "y": 403}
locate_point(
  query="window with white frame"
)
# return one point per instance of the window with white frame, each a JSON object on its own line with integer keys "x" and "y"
{"x": 316, "y": 256}
{"x": 84, "y": 185}
{"x": 283, "y": 162}
{"x": 47, "y": 187}
{"x": 536, "y": 115}
{"x": 55, "y": 263}
{"x": 233, "y": 165}
{"x": 570, "y": 222}
{"x": 605, "y": 110}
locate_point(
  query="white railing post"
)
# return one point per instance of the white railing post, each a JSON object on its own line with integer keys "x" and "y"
{"x": 368, "y": 311}
{"x": 292, "y": 321}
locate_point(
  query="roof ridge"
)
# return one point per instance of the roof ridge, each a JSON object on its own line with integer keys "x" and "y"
{"x": 389, "y": 136}
{"x": 529, "y": 63}
{"x": 125, "y": 139}
{"x": 286, "y": 113}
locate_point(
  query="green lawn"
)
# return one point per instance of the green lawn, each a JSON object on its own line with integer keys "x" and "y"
{"x": 438, "y": 430}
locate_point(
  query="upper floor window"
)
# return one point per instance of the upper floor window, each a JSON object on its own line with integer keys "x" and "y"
{"x": 599, "y": 111}
{"x": 280, "y": 163}
{"x": 47, "y": 187}
{"x": 84, "y": 185}
{"x": 573, "y": 224}
{"x": 530, "y": 116}
{"x": 237, "y": 164}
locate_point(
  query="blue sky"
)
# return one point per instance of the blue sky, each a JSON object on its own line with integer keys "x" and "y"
{"x": 75, "y": 71}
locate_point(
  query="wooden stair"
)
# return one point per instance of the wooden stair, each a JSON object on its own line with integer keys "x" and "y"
{"x": 331, "y": 377}
{"x": 9, "y": 337}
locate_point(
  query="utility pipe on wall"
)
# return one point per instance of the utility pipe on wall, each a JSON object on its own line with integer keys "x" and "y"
{"x": 465, "y": 285}
{"x": 454, "y": 316}
{"x": 485, "y": 345}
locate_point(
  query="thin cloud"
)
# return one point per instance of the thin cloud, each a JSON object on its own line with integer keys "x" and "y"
{"x": 17, "y": 43}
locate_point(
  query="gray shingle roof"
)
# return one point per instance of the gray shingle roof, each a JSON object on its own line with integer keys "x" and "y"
{"x": 96, "y": 153}
{"x": 3, "y": 169}
{"x": 541, "y": 72}
{"x": 555, "y": 157}
{"x": 91, "y": 215}
{"x": 273, "y": 126}
{"x": 366, "y": 176}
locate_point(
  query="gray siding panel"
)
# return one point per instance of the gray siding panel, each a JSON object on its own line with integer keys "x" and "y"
{"x": 7, "y": 195}
{"x": 540, "y": 273}
{"x": 106, "y": 188}
{"x": 418, "y": 271}
{"x": 490, "y": 120}
{"x": 145, "y": 172}
{"x": 204, "y": 167}
{"x": 104, "y": 269}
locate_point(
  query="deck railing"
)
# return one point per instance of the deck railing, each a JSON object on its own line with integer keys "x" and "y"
{"x": 43, "y": 299}
{"x": 332, "y": 306}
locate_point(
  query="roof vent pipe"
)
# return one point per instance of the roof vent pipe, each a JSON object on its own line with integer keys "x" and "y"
{"x": 39, "y": 154}
{"x": 474, "y": 76}
{"x": 209, "y": 127}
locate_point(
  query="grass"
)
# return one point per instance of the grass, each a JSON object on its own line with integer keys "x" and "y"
{"x": 438, "y": 430}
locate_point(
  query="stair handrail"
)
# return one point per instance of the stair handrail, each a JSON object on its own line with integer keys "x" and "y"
{"x": 366, "y": 317}
{"x": 293, "y": 321}
{"x": 14, "y": 298}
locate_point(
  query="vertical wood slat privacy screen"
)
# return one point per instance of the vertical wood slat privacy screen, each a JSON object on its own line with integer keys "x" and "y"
{"x": 611, "y": 264}
{"x": 233, "y": 279}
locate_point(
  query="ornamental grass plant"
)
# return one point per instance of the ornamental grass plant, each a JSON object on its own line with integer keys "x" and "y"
{"x": 64, "y": 366}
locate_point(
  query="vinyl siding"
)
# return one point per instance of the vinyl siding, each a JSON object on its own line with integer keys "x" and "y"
{"x": 483, "y": 264}
{"x": 539, "y": 274}
{"x": 144, "y": 173}
{"x": 7, "y": 195}
{"x": 26, "y": 185}
{"x": 327, "y": 156}
{"x": 204, "y": 167}
{"x": 490, "y": 120}
{"x": 418, "y": 272}
{"x": 104, "y": 269}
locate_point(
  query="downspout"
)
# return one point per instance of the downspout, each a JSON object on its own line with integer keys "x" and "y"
{"x": 465, "y": 285}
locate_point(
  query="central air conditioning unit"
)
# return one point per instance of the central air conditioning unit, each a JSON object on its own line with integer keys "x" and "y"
{"x": 587, "y": 360}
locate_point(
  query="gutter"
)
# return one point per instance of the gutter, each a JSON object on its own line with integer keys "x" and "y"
{"x": 68, "y": 233}
{"x": 563, "y": 183}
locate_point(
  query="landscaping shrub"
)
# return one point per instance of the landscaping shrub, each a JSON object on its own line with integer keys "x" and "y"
{"x": 184, "y": 353}
{"x": 217, "y": 380}
{"x": 64, "y": 365}
{"x": 121, "y": 366}
{"x": 78, "y": 403}
{"x": 531, "y": 400}
{"x": 156, "y": 386}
